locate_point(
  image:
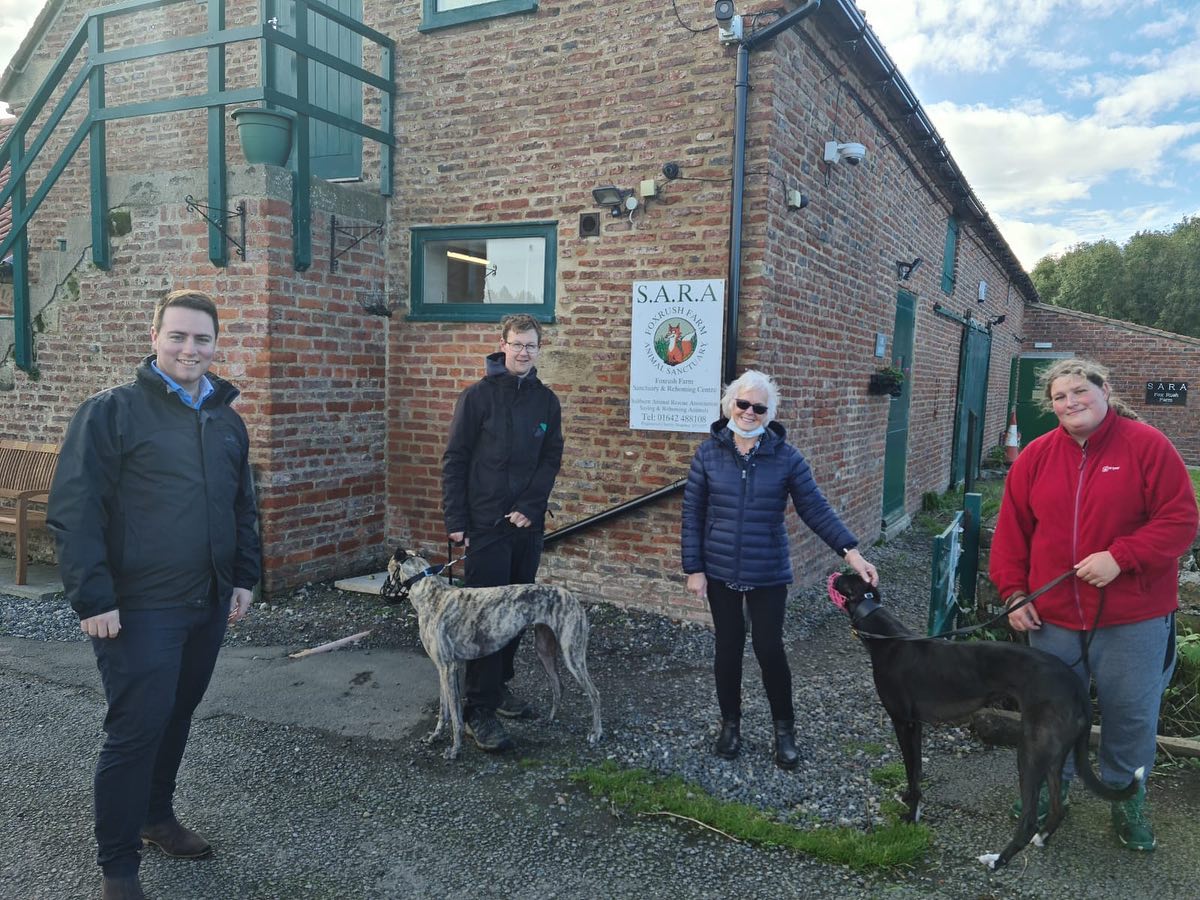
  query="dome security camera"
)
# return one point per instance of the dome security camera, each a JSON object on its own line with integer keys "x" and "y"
{"x": 851, "y": 154}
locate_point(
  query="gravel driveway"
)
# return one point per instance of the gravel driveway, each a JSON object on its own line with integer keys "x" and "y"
{"x": 298, "y": 811}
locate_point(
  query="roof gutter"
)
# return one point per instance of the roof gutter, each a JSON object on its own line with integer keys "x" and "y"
{"x": 741, "y": 103}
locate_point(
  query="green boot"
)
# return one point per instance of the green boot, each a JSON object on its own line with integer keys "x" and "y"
{"x": 1043, "y": 807}
{"x": 1129, "y": 821}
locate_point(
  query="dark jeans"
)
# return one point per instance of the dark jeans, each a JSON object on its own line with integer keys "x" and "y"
{"x": 766, "y": 607}
{"x": 154, "y": 672}
{"x": 513, "y": 559}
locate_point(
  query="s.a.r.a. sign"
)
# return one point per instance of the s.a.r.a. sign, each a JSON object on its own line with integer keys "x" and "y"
{"x": 1167, "y": 392}
{"x": 675, "y": 364}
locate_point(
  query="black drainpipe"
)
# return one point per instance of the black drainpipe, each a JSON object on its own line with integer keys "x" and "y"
{"x": 741, "y": 97}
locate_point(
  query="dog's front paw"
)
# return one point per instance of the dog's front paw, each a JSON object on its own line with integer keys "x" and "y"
{"x": 989, "y": 859}
{"x": 451, "y": 752}
{"x": 431, "y": 737}
{"x": 594, "y": 738}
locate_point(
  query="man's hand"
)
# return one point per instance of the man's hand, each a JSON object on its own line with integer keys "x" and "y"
{"x": 864, "y": 569}
{"x": 105, "y": 625}
{"x": 1024, "y": 619}
{"x": 239, "y": 603}
{"x": 1098, "y": 569}
{"x": 458, "y": 537}
{"x": 519, "y": 519}
{"x": 698, "y": 584}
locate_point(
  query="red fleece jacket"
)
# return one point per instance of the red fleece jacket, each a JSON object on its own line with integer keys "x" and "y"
{"x": 1126, "y": 491}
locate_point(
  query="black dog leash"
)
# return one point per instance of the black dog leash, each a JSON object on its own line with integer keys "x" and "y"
{"x": 958, "y": 632}
{"x": 393, "y": 593}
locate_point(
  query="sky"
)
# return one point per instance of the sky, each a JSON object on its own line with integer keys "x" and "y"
{"x": 1073, "y": 120}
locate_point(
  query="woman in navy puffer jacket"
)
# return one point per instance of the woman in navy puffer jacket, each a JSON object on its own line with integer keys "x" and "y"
{"x": 735, "y": 549}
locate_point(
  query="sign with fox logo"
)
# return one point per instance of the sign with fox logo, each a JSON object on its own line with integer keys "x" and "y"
{"x": 675, "y": 363}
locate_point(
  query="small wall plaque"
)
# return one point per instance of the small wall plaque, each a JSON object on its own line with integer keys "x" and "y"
{"x": 1166, "y": 392}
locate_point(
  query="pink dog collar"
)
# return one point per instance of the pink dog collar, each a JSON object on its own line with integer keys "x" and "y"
{"x": 838, "y": 600}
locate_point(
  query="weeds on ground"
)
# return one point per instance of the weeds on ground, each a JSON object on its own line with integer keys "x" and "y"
{"x": 643, "y": 793}
{"x": 1180, "y": 713}
{"x": 938, "y": 509}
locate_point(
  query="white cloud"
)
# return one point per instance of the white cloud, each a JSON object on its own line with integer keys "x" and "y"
{"x": 1139, "y": 99}
{"x": 1033, "y": 163}
{"x": 1032, "y": 239}
{"x": 16, "y": 18}
{"x": 973, "y": 35}
{"x": 1175, "y": 22}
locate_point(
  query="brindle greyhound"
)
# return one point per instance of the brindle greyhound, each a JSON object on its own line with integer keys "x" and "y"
{"x": 938, "y": 681}
{"x": 458, "y": 624}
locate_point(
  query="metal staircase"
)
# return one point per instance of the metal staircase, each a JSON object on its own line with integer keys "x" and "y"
{"x": 84, "y": 61}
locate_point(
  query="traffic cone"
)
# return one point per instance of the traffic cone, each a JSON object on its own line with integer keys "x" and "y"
{"x": 1012, "y": 439}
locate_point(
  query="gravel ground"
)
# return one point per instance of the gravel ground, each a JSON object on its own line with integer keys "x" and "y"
{"x": 307, "y": 813}
{"x": 664, "y": 724}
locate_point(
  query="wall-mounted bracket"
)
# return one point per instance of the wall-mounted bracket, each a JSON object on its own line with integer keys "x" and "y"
{"x": 359, "y": 232}
{"x": 223, "y": 217}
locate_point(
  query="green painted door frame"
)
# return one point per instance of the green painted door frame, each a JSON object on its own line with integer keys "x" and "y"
{"x": 334, "y": 154}
{"x": 1032, "y": 420}
{"x": 974, "y": 359}
{"x": 895, "y": 454}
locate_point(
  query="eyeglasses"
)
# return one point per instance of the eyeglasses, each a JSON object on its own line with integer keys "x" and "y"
{"x": 528, "y": 348}
{"x": 759, "y": 409}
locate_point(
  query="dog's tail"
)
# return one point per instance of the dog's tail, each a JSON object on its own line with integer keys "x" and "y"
{"x": 1083, "y": 765}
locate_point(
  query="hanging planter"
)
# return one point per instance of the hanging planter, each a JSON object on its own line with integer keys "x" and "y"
{"x": 888, "y": 381}
{"x": 265, "y": 134}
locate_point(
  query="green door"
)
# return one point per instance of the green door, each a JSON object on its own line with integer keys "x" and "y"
{"x": 895, "y": 452}
{"x": 1032, "y": 419}
{"x": 974, "y": 356}
{"x": 335, "y": 154}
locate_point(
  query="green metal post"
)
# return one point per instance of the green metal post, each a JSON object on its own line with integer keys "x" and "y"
{"x": 387, "y": 70}
{"x": 969, "y": 565}
{"x": 101, "y": 251}
{"x": 218, "y": 247}
{"x": 301, "y": 188}
{"x": 20, "y": 264}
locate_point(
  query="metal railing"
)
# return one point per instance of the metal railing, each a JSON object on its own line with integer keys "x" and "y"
{"x": 91, "y": 75}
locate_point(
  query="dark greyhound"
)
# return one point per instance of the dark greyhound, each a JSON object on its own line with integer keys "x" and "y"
{"x": 939, "y": 681}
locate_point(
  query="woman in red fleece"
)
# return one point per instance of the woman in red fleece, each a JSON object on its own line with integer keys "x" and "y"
{"x": 1108, "y": 496}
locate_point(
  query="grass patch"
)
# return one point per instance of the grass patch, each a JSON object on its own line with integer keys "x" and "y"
{"x": 891, "y": 775}
{"x": 1180, "y": 713}
{"x": 642, "y": 792}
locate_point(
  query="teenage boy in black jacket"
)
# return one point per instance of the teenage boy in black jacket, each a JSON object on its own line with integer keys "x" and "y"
{"x": 504, "y": 452}
{"x": 152, "y": 508}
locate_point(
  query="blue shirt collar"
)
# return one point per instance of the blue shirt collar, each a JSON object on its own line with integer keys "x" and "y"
{"x": 206, "y": 387}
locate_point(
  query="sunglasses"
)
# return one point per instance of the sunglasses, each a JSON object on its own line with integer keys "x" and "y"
{"x": 759, "y": 409}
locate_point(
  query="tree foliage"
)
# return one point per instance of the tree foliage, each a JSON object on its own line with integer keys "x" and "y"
{"x": 1153, "y": 280}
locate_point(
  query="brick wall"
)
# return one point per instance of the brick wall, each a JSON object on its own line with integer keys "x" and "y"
{"x": 1133, "y": 354}
{"x": 517, "y": 119}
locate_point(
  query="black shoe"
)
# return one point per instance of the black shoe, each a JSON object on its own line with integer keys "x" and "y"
{"x": 729, "y": 744}
{"x": 175, "y": 840}
{"x": 127, "y": 888}
{"x": 513, "y": 707}
{"x": 485, "y": 729}
{"x": 786, "y": 754}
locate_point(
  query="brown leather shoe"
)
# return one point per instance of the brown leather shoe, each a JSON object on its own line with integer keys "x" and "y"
{"x": 174, "y": 840}
{"x": 128, "y": 888}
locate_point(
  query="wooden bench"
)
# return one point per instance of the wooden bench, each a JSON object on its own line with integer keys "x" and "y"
{"x": 25, "y": 473}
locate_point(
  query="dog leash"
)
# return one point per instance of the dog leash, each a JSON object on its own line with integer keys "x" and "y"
{"x": 959, "y": 632}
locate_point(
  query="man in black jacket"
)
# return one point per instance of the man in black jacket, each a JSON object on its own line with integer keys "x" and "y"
{"x": 499, "y": 467}
{"x": 152, "y": 508}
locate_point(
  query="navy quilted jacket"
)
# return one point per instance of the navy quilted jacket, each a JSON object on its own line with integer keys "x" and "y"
{"x": 733, "y": 510}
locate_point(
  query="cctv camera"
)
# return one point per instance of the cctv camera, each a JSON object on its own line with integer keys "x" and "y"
{"x": 723, "y": 11}
{"x": 851, "y": 154}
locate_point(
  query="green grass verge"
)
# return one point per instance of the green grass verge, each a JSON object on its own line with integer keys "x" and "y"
{"x": 895, "y": 844}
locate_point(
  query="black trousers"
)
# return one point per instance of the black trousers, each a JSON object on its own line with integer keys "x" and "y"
{"x": 507, "y": 555}
{"x": 155, "y": 673}
{"x": 766, "y": 607}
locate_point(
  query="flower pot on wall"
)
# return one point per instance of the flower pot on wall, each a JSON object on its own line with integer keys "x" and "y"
{"x": 886, "y": 381}
{"x": 265, "y": 134}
